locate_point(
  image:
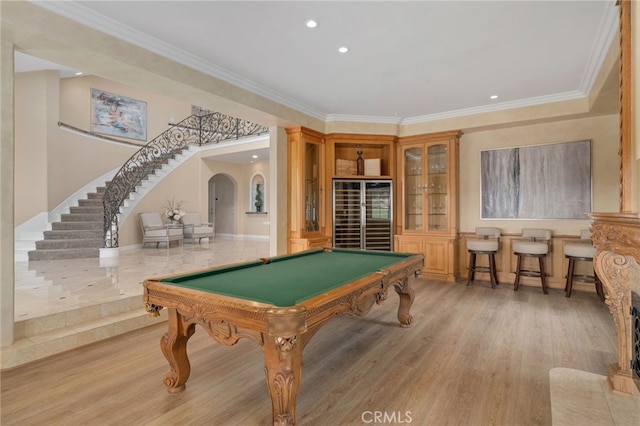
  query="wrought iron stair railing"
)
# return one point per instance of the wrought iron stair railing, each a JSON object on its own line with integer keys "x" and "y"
{"x": 193, "y": 130}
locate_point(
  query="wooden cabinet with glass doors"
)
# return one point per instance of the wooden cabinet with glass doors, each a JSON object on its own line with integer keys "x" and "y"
{"x": 428, "y": 204}
{"x": 307, "y": 227}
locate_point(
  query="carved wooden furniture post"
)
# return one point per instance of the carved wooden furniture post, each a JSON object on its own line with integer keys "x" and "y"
{"x": 283, "y": 361}
{"x": 616, "y": 236}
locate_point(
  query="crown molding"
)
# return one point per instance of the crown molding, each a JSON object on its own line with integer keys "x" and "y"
{"x": 607, "y": 32}
{"x": 520, "y": 103}
{"x": 332, "y": 118}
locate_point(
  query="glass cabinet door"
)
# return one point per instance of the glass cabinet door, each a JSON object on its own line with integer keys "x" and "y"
{"x": 426, "y": 201}
{"x": 312, "y": 187}
{"x": 437, "y": 187}
{"x": 413, "y": 188}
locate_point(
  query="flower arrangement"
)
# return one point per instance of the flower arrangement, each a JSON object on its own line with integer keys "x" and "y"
{"x": 174, "y": 210}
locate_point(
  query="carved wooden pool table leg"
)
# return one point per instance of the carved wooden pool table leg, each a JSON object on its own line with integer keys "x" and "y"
{"x": 174, "y": 348}
{"x": 406, "y": 294}
{"x": 283, "y": 370}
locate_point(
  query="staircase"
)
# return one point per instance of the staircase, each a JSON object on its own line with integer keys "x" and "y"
{"x": 78, "y": 235}
{"x": 93, "y": 225}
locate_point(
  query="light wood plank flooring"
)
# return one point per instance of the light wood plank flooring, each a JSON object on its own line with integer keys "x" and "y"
{"x": 474, "y": 356}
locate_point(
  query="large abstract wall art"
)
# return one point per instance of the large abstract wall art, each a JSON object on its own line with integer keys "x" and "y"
{"x": 537, "y": 182}
{"x": 118, "y": 116}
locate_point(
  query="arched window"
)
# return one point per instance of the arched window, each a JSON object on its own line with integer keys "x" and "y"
{"x": 257, "y": 201}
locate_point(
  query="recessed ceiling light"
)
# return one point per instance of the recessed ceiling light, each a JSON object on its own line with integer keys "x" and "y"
{"x": 311, "y": 23}
{"x": 493, "y": 97}
{"x": 79, "y": 73}
{"x": 343, "y": 49}
{"x": 254, "y": 156}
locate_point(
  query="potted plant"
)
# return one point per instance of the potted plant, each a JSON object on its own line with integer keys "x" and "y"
{"x": 258, "y": 199}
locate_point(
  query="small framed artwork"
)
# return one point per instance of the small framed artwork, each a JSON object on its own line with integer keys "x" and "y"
{"x": 550, "y": 181}
{"x": 118, "y": 116}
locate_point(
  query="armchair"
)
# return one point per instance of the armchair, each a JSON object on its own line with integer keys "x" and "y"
{"x": 154, "y": 231}
{"x": 195, "y": 228}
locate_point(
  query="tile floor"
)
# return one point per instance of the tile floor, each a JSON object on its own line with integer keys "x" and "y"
{"x": 581, "y": 398}
{"x": 65, "y": 304}
{"x": 49, "y": 287}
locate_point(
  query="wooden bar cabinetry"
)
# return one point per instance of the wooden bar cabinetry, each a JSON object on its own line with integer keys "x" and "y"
{"x": 345, "y": 147}
{"x": 307, "y": 190}
{"x": 315, "y": 160}
{"x": 428, "y": 201}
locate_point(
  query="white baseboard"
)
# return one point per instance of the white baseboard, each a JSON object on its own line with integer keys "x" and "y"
{"x": 32, "y": 229}
{"x": 248, "y": 237}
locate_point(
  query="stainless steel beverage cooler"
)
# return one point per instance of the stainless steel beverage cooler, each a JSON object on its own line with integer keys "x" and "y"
{"x": 363, "y": 214}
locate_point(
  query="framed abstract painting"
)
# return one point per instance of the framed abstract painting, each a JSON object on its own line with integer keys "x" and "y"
{"x": 118, "y": 116}
{"x": 550, "y": 181}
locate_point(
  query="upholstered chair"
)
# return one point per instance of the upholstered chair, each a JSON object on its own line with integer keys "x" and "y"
{"x": 154, "y": 231}
{"x": 195, "y": 228}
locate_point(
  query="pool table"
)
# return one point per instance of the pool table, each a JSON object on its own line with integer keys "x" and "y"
{"x": 278, "y": 303}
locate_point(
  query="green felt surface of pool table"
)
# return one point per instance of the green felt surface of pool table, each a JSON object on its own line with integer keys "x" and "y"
{"x": 290, "y": 279}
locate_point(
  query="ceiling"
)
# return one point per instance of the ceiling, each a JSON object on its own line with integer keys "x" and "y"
{"x": 408, "y": 61}
{"x": 26, "y": 63}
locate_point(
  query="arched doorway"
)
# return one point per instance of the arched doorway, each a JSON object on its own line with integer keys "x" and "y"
{"x": 222, "y": 203}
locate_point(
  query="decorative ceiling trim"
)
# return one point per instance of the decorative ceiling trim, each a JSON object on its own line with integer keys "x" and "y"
{"x": 521, "y": 103}
{"x": 607, "y": 32}
{"x": 331, "y": 118}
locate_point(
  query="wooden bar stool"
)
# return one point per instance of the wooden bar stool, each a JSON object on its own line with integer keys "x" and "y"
{"x": 537, "y": 246}
{"x": 581, "y": 252}
{"x": 487, "y": 245}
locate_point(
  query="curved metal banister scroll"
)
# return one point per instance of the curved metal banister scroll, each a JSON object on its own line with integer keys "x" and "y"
{"x": 193, "y": 130}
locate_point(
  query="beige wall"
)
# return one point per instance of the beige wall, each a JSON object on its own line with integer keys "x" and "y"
{"x": 603, "y": 131}
{"x": 7, "y": 179}
{"x": 36, "y": 109}
{"x": 246, "y": 224}
{"x": 75, "y": 104}
{"x": 256, "y": 224}
{"x": 277, "y": 204}
{"x": 51, "y": 163}
{"x": 188, "y": 184}
{"x": 92, "y": 158}
{"x": 182, "y": 185}
{"x": 75, "y": 160}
